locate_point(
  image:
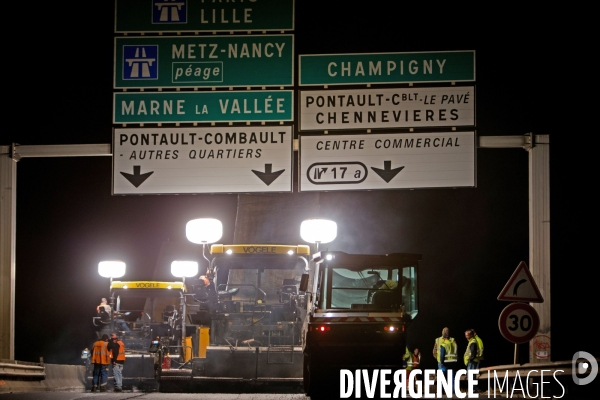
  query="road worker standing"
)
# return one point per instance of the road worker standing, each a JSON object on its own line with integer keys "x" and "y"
{"x": 101, "y": 360}
{"x": 117, "y": 349}
{"x": 445, "y": 351}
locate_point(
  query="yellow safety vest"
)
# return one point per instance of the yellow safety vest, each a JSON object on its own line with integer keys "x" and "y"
{"x": 468, "y": 352}
{"x": 408, "y": 358}
{"x": 479, "y": 348}
{"x": 450, "y": 346}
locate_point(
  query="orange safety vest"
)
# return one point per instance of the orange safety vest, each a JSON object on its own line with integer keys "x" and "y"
{"x": 100, "y": 353}
{"x": 415, "y": 361}
{"x": 121, "y": 355}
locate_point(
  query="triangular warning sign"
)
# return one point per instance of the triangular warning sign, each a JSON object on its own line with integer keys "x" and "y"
{"x": 521, "y": 287}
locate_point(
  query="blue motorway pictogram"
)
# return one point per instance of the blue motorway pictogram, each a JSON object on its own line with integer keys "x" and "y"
{"x": 140, "y": 62}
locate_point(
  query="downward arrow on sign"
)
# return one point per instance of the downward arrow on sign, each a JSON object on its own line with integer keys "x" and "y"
{"x": 268, "y": 177}
{"x": 136, "y": 178}
{"x": 387, "y": 173}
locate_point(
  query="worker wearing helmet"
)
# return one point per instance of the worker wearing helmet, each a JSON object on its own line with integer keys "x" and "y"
{"x": 117, "y": 349}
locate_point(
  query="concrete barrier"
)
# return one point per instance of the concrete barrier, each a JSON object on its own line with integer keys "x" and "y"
{"x": 17, "y": 376}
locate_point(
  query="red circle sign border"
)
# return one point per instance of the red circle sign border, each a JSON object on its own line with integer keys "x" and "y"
{"x": 506, "y": 312}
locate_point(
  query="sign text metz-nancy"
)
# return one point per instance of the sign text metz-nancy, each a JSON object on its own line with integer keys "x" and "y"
{"x": 207, "y": 61}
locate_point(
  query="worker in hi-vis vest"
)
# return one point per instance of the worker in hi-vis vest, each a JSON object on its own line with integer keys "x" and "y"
{"x": 101, "y": 358}
{"x": 445, "y": 351}
{"x": 474, "y": 351}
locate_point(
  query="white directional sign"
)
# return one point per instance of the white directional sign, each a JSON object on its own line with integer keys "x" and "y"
{"x": 387, "y": 108}
{"x": 202, "y": 160}
{"x": 387, "y": 161}
{"x": 521, "y": 287}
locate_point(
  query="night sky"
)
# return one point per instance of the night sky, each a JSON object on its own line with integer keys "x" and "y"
{"x": 471, "y": 239}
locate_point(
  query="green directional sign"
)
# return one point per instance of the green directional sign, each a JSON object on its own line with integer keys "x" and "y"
{"x": 204, "y": 61}
{"x": 351, "y": 69}
{"x": 203, "y": 107}
{"x": 201, "y": 16}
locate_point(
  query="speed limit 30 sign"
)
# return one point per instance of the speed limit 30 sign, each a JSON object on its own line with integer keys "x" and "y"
{"x": 518, "y": 323}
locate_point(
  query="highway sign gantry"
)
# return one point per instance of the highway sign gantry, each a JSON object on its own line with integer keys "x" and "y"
{"x": 203, "y": 107}
{"x": 386, "y": 161}
{"x": 518, "y": 323}
{"x": 137, "y": 16}
{"x": 375, "y": 68}
{"x": 202, "y": 160}
{"x": 387, "y": 108}
{"x": 521, "y": 287}
{"x": 204, "y": 61}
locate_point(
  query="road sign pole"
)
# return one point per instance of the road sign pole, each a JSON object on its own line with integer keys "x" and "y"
{"x": 539, "y": 242}
{"x": 538, "y": 147}
{"x": 9, "y": 155}
{"x": 8, "y": 219}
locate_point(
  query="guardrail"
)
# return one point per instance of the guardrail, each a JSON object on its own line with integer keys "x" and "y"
{"x": 24, "y": 376}
{"x": 22, "y": 369}
{"x": 561, "y": 368}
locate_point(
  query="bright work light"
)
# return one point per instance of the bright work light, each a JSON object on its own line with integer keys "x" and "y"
{"x": 318, "y": 230}
{"x": 204, "y": 230}
{"x": 111, "y": 269}
{"x": 183, "y": 269}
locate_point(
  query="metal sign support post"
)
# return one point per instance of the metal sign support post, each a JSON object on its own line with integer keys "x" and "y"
{"x": 539, "y": 242}
{"x": 9, "y": 155}
{"x": 8, "y": 224}
{"x": 538, "y": 147}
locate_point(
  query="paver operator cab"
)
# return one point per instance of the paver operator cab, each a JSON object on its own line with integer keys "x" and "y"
{"x": 359, "y": 307}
